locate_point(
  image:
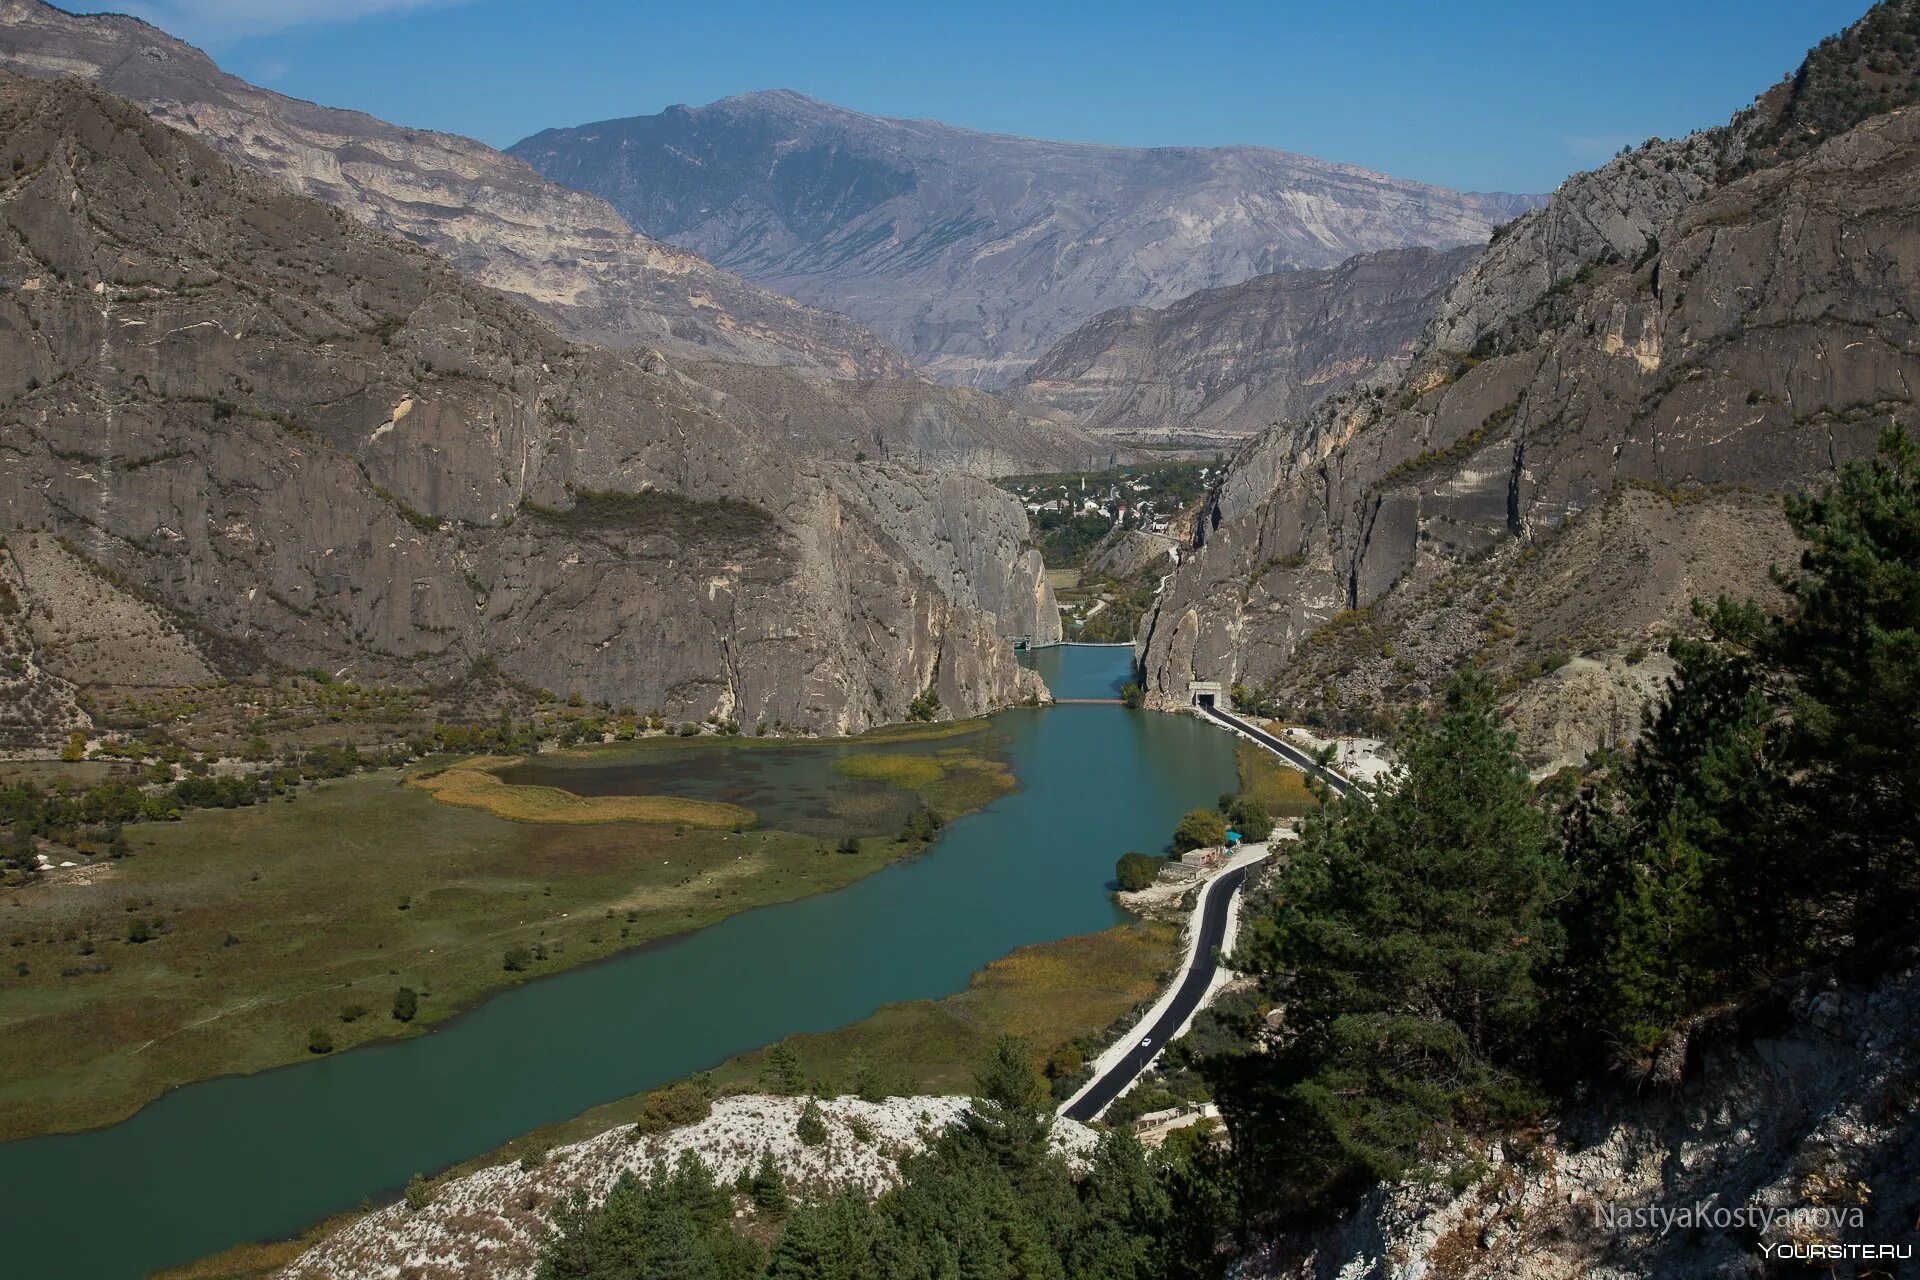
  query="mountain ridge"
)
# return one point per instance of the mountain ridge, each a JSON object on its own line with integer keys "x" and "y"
{"x": 567, "y": 254}
{"x": 1594, "y": 431}
{"x": 1233, "y": 360}
{"x": 971, "y": 251}
{"x": 390, "y": 469}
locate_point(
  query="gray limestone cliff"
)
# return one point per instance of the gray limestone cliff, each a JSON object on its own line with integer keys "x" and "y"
{"x": 310, "y": 444}
{"x": 1593, "y": 432}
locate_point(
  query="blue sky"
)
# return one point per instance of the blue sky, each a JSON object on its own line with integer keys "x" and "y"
{"x": 1473, "y": 95}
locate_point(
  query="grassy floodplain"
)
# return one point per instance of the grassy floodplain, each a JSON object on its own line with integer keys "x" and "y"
{"x": 228, "y": 939}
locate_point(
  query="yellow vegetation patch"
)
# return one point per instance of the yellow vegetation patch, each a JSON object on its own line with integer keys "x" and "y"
{"x": 1284, "y": 791}
{"x": 472, "y": 785}
{"x": 910, "y": 772}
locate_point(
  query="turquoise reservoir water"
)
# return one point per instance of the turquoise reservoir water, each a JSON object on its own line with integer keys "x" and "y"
{"x": 259, "y": 1157}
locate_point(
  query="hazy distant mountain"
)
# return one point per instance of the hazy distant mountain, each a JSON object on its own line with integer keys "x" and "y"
{"x": 1231, "y": 361}
{"x": 975, "y": 252}
{"x": 565, "y": 253}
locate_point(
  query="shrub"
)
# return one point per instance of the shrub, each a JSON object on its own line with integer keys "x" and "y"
{"x": 319, "y": 1040}
{"x": 811, "y": 1128}
{"x": 419, "y": 1194}
{"x": 1250, "y": 818}
{"x": 516, "y": 960}
{"x": 406, "y": 1003}
{"x": 673, "y": 1107}
{"x": 1135, "y": 871}
{"x": 1200, "y": 829}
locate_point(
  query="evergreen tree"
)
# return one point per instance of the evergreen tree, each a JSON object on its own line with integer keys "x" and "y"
{"x": 1010, "y": 1118}
{"x": 829, "y": 1241}
{"x": 781, "y": 1071}
{"x": 1769, "y": 811}
{"x": 869, "y": 1083}
{"x": 1851, "y": 647}
{"x": 1404, "y": 947}
{"x": 675, "y": 1225}
{"x": 1124, "y": 1212}
{"x": 768, "y": 1188}
{"x": 1683, "y": 885}
{"x": 811, "y": 1128}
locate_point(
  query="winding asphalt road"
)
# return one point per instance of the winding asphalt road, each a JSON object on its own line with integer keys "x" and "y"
{"x": 1285, "y": 750}
{"x": 1216, "y": 909}
{"x": 1214, "y": 912}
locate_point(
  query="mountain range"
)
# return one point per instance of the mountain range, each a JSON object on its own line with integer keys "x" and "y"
{"x": 280, "y": 437}
{"x": 1593, "y": 431}
{"x": 1224, "y": 363}
{"x": 973, "y": 253}
{"x": 563, "y": 253}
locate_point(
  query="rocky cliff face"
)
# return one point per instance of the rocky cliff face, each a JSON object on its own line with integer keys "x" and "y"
{"x": 1591, "y": 435}
{"x": 565, "y": 254}
{"x": 286, "y": 430}
{"x": 1229, "y": 362}
{"x": 972, "y": 252}
{"x": 494, "y": 1222}
{"x": 1786, "y": 1126}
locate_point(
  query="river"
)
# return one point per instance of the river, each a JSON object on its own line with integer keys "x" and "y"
{"x": 261, "y": 1157}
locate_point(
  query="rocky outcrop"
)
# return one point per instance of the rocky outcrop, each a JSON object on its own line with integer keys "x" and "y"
{"x": 494, "y": 1222}
{"x": 1235, "y": 360}
{"x": 1589, "y": 436}
{"x": 1788, "y": 1135}
{"x": 565, "y": 254}
{"x": 974, "y": 252}
{"x": 37, "y": 706}
{"x": 319, "y": 442}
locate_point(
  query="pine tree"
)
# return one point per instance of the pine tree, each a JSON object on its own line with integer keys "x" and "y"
{"x": 1684, "y": 888}
{"x": 1851, "y": 646}
{"x": 811, "y": 1128}
{"x": 781, "y": 1071}
{"x": 830, "y": 1241}
{"x": 1010, "y": 1117}
{"x": 1404, "y": 946}
{"x": 768, "y": 1188}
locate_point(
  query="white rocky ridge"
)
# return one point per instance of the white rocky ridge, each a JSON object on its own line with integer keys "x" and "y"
{"x": 1781, "y": 1126}
{"x": 493, "y": 1222}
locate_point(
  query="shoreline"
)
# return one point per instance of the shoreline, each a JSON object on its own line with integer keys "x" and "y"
{"x": 889, "y": 854}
